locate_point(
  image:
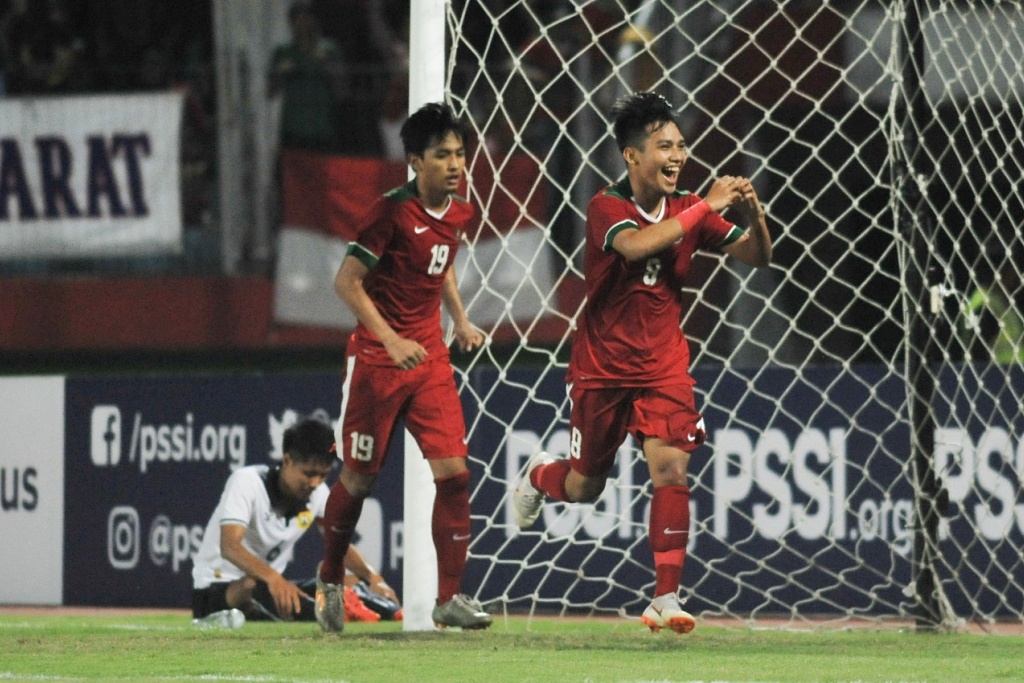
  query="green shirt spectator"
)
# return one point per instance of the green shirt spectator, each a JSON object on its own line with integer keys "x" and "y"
{"x": 307, "y": 72}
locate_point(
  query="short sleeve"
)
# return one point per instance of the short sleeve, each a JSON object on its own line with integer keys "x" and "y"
{"x": 374, "y": 233}
{"x": 606, "y": 218}
{"x": 237, "y": 500}
{"x": 716, "y": 232}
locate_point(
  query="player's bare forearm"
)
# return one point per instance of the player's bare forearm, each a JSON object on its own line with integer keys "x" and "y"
{"x": 755, "y": 247}
{"x": 232, "y": 550}
{"x": 348, "y": 284}
{"x": 467, "y": 336}
{"x": 761, "y": 242}
{"x": 636, "y": 245}
{"x": 355, "y": 563}
{"x": 285, "y": 593}
{"x": 452, "y": 299}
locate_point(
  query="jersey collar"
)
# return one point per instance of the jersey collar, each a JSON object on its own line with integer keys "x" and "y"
{"x": 624, "y": 190}
{"x": 279, "y": 502}
{"x": 414, "y": 191}
{"x": 658, "y": 216}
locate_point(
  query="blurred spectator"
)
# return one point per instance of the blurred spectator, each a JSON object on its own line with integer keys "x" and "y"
{"x": 540, "y": 99}
{"x": 121, "y": 31}
{"x": 395, "y": 107}
{"x": 5, "y": 57}
{"x": 44, "y": 54}
{"x": 373, "y": 38}
{"x": 308, "y": 73}
{"x": 156, "y": 73}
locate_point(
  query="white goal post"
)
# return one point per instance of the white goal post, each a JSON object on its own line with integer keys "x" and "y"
{"x": 863, "y": 395}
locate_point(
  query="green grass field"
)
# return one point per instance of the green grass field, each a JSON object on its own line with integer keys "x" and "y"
{"x": 164, "y": 647}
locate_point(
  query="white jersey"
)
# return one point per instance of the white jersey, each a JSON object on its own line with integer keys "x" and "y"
{"x": 269, "y": 535}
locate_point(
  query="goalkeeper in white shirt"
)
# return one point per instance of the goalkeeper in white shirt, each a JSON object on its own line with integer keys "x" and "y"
{"x": 250, "y": 538}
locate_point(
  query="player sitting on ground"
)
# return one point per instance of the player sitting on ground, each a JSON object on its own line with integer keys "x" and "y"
{"x": 249, "y": 540}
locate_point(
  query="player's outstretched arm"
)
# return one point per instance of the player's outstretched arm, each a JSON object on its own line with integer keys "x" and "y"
{"x": 348, "y": 283}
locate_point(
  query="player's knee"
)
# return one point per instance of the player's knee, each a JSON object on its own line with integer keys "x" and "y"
{"x": 239, "y": 592}
{"x": 671, "y": 475}
{"x": 669, "y": 467}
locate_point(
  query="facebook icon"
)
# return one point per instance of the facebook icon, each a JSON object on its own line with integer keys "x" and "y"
{"x": 106, "y": 435}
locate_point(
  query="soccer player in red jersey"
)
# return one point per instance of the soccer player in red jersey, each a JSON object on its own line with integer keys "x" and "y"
{"x": 629, "y": 367}
{"x": 394, "y": 277}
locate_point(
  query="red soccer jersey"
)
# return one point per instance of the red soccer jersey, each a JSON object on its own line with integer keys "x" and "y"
{"x": 629, "y": 331}
{"x": 408, "y": 250}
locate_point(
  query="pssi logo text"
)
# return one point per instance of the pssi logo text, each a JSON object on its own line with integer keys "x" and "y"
{"x": 169, "y": 545}
{"x": 163, "y": 443}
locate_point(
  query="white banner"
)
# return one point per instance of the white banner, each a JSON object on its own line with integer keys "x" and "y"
{"x": 32, "y": 490}
{"x": 90, "y": 176}
{"x": 307, "y": 262}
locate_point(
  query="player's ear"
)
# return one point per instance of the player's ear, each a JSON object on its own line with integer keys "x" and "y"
{"x": 415, "y": 161}
{"x": 630, "y": 155}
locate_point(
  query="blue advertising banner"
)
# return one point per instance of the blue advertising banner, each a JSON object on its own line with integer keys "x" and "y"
{"x": 770, "y": 471}
{"x": 146, "y": 460}
{"x": 808, "y": 501}
{"x": 981, "y": 458}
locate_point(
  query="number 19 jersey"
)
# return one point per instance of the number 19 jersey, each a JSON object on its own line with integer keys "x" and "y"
{"x": 408, "y": 249}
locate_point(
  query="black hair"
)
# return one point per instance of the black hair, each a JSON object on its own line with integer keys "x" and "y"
{"x": 429, "y": 125}
{"x": 311, "y": 439}
{"x": 638, "y": 115}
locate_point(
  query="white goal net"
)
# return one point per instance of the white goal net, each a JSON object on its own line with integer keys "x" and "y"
{"x": 863, "y": 394}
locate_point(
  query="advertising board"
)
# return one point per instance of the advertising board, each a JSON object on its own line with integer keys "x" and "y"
{"x": 780, "y": 482}
{"x": 31, "y": 490}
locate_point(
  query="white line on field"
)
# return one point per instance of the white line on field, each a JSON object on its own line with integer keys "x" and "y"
{"x": 10, "y": 676}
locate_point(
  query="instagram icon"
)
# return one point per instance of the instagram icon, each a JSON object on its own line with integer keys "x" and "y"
{"x": 123, "y": 537}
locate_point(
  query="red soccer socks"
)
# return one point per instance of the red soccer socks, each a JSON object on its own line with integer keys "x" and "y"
{"x": 669, "y": 531}
{"x": 451, "y": 533}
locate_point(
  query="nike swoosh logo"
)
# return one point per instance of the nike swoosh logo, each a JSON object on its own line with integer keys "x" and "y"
{"x": 670, "y": 532}
{"x": 420, "y": 230}
{"x": 691, "y": 437}
{"x": 458, "y": 537}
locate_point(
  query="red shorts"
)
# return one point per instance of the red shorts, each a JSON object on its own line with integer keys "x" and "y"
{"x": 374, "y": 397}
{"x": 600, "y": 419}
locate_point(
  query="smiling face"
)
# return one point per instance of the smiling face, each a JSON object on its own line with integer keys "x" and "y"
{"x": 654, "y": 165}
{"x": 439, "y": 169}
